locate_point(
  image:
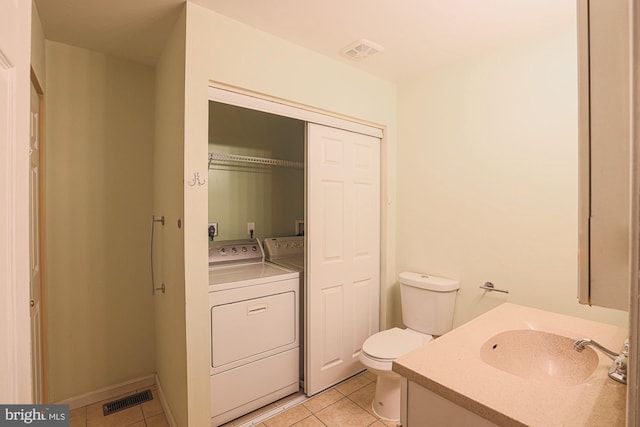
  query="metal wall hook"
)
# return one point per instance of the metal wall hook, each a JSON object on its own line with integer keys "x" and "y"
{"x": 488, "y": 286}
{"x": 196, "y": 180}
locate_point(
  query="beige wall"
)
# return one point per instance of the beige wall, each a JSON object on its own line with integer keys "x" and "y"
{"x": 37, "y": 46}
{"x": 98, "y": 195}
{"x": 272, "y": 197}
{"x": 168, "y": 201}
{"x": 223, "y": 51}
{"x": 487, "y": 177}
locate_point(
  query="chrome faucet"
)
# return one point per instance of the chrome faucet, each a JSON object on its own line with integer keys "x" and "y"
{"x": 581, "y": 344}
{"x": 618, "y": 370}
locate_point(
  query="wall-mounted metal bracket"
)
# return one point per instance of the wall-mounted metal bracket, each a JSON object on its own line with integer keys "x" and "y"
{"x": 488, "y": 286}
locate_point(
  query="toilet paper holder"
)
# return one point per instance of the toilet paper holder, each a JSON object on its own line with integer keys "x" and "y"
{"x": 488, "y": 286}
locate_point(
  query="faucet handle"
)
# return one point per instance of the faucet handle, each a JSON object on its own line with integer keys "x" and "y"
{"x": 618, "y": 371}
{"x": 621, "y": 363}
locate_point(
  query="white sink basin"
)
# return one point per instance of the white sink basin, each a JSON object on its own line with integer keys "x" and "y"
{"x": 540, "y": 356}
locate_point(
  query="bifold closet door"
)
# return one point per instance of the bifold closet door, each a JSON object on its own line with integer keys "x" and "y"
{"x": 343, "y": 252}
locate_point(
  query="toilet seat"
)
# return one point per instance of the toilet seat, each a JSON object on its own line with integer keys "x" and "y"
{"x": 388, "y": 345}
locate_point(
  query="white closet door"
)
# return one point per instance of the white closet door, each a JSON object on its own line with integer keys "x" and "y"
{"x": 343, "y": 252}
{"x": 15, "y": 336}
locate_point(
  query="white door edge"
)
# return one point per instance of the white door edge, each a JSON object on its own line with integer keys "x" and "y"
{"x": 15, "y": 326}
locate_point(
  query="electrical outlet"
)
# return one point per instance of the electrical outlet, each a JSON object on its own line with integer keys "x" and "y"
{"x": 251, "y": 226}
{"x": 214, "y": 230}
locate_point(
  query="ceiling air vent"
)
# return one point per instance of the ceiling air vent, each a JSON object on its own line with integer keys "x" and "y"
{"x": 361, "y": 49}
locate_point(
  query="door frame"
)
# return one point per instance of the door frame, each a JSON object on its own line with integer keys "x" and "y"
{"x": 282, "y": 108}
{"x": 633, "y": 378}
{"x": 236, "y": 97}
{"x": 41, "y": 229}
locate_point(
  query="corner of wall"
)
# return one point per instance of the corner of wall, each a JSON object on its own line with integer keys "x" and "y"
{"x": 168, "y": 201}
{"x": 37, "y": 46}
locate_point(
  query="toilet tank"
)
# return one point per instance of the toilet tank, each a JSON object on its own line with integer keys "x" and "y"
{"x": 428, "y": 302}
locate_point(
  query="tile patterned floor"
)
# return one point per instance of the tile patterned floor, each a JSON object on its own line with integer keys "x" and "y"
{"x": 346, "y": 405}
{"x": 147, "y": 414}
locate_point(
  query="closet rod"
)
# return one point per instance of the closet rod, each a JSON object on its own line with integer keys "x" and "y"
{"x": 250, "y": 159}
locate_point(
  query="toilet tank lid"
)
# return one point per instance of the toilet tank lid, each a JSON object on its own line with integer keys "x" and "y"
{"x": 425, "y": 281}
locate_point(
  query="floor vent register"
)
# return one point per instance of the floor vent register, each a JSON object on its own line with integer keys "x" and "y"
{"x": 127, "y": 402}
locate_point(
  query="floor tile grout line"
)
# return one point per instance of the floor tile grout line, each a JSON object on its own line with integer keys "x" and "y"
{"x": 312, "y": 415}
{"x": 376, "y": 418}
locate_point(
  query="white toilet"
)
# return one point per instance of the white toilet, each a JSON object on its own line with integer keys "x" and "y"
{"x": 427, "y": 310}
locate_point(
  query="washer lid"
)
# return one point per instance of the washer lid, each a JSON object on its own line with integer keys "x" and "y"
{"x": 392, "y": 343}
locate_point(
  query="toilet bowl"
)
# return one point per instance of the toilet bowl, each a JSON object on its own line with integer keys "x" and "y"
{"x": 427, "y": 311}
{"x": 378, "y": 353}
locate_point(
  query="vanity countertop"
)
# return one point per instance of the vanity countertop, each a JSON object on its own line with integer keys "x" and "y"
{"x": 451, "y": 367}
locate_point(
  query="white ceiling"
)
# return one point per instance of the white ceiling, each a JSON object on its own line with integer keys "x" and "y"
{"x": 416, "y": 34}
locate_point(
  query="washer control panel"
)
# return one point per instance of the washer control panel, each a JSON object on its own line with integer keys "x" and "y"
{"x": 235, "y": 252}
{"x": 284, "y": 247}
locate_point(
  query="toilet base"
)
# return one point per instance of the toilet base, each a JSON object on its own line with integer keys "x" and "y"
{"x": 386, "y": 402}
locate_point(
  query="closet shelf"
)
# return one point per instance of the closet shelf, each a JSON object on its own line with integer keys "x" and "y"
{"x": 223, "y": 157}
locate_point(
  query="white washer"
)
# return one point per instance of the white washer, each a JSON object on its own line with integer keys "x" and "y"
{"x": 254, "y": 339}
{"x": 288, "y": 252}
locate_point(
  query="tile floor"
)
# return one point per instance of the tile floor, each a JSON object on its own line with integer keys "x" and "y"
{"x": 147, "y": 414}
{"x": 346, "y": 405}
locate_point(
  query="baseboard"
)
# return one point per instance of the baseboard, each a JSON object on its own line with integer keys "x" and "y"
{"x": 111, "y": 392}
{"x": 165, "y": 407}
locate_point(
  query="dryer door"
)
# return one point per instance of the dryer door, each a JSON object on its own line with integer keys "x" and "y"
{"x": 257, "y": 327}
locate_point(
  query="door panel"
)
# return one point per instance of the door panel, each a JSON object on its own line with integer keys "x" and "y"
{"x": 343, "y": 247}
{"x": 332, "y": 226}
{"x": 364, "y": 295}
{"x": 332, "y": 301}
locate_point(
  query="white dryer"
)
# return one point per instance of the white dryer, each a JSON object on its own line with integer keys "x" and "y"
{"x": 254, "y": 318}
